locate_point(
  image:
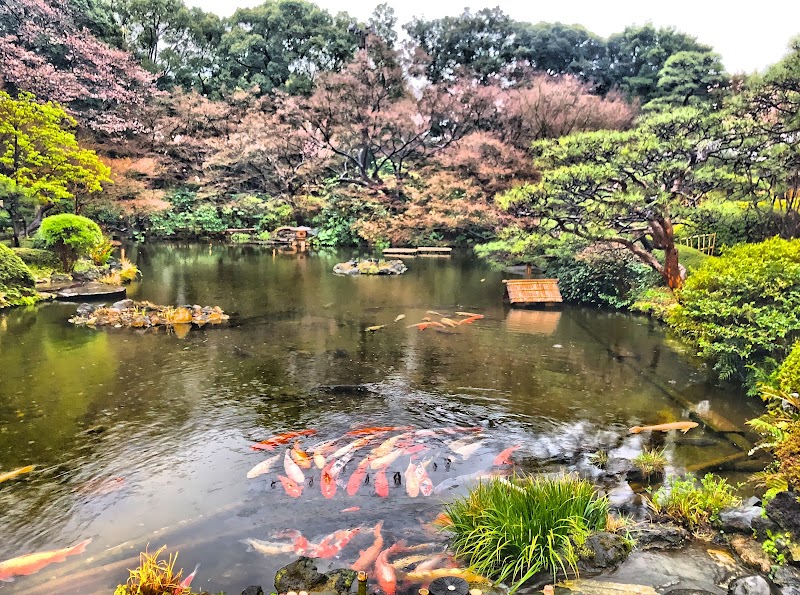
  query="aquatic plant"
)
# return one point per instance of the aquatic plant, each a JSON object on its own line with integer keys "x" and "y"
{"x": 694, "y": 503}
{"x": 650, "y": 462}
{"x": 599, "y": 458}
{"x": 154, "y": 576}
{"x": 511, "y": 530}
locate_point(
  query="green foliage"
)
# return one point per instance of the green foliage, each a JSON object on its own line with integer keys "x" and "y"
{"x": 688, "y": 78}
{"x": 341, "y": 217}
{"x": 70, "y": 237}
{"x": 787, "y": 376}
{"x": 40, "y": 259}
{"x": 511, "y": 530}
{"x": 694, "y": 503}
{"x": 13, "y": 271}
{"x": 689, "y": 257}
{"x": 241, "y": 238}
{"x": 657, "y": 302}
{"x": 742, "y": 310}
{"x": 776, "y": 545}
{"x": 650, "y": 462}
{"x": 733, "y": 222}
{"x": 608, "y": 279}
{"x": 101, "y": 252}
{"x": 599, "y": 458}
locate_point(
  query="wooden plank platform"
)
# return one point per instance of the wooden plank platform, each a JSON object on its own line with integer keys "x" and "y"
{"x": 532, "y": 291}
{"x": 422, "y": 250}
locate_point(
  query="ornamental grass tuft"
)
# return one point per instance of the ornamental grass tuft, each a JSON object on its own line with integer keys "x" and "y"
{"x": 512, "y": 530}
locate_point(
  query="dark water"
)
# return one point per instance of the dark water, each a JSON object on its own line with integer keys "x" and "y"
{"x": 179, "y": 415}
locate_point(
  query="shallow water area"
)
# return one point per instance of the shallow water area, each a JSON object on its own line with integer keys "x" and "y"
{"x": 142, "y": 437}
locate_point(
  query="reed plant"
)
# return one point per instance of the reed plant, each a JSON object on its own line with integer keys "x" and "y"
{"x": 694, "y": 503}
{"x": 514, "y": 529}
{"x": 154, "y": 576}
{"x": 128, "y": 273}
{"x": 650, "y": 462}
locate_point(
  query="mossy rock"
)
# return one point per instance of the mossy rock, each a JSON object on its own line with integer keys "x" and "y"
{"x": 14, "y": 274}
{"x": 43, "y": 259}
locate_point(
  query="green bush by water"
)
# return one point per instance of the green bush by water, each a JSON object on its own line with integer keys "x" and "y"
{"x": 16, "y": 280}
{"x": 70, "y": 237}
{"x": 742, "y": 310}
{"x": 511, "y": 530}
{"x": 694, "y": 503}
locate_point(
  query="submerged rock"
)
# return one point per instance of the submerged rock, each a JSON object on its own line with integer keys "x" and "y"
{"x": 603, "y": 551}
{"x": 658, "y": 536}
{"x": 784, "y": 510}
{"x": 739, "y": 519}
{"x": 302, "y": 575}
{"x": 370, "y": 267}
{"x": 253, "y": 590}
{"x": 749, "y": 585}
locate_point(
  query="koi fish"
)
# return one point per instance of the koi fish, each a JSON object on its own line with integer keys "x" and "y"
{"x": 426, "y": 319}
{"x": 372, "y": 329}
{"x": 426, "y": 486}
{"x": 292, "y": 488}
{"x": 387, "y": 460}
{"x": 16, "y": 473}
{"x": 453, "y": 482}
{"x": 367, "y": 557}
{"x": 338, "y": 466}
{"x": 504, "y": 458}
{"x": 376, "y": 430}
{"x": 335, "y": 542}
{"x": 469, "y": 320}
{"x": 387, "y": 578}
{"x": 399, "y": 317}
{"x": 31, "y": 563}
{"x": 409, "y": 560}
{"x": 387, "y": 446}
{"x": 351, "y": 509}
{"x": 300, "y": 457}
{"x": 434, "y": 312}
{"x": 421, "y": 478}
{"x": 449, "y": 322}
{"x": 328, "y": 481}
{"x": 412, "y": 487}
{"x": 299, "y": 545}
{"x": 470, "y": 577}
{"x": 355, "y": 445}
{"x": 468, "y": 450}
{"x": 382, "y": 484}
{"x": 320, "y": 450}
{"x": 468, "y": 314}
{"x": 357, "y": 478}
{"x": 285, "y": 438}
{"x": 263, "y": 467}
{"x": 683, "y": 426}
{"x": 292, "y": 470}
{"x": 439, "y": 561}
{"x": 186, "y": 583}
{"x": 268, "y": 548}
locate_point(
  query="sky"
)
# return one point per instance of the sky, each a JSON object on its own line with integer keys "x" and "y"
{"x": 748, "y": 39}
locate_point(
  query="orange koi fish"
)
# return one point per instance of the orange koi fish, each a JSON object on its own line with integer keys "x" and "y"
{"x": 355, "y": 445}
{"x": 423, "y": 325}
{"x": 334, "y": 543}
{"x": 351, "y": 509}
{"x": 387, "y": 579}
{"x": 16, "y": 473}
{"x": 504, "y": 458}
{"x": 321, "y": 449}
{"x": 292, "y": 470}
{"x": 412, "y": 487}
{"x": 683, "y": 426}
{"x": 300, "y": 544}
{"x": 285, "y": 438}
{"x": 357, "y": 478}
{"x": 263, "y": 467}
{"x": 31, "y": 563}
{"x": 387, "y": 446}
{"x": 438, "y": 561}
{"x": 387, "y": 460}
{"x": 368, "y": 556}
{"x": 186, "y": 583}
{"x": 328, "y": 481}
{"x": 449, "y": 322}
{"x": 376, "y": 430}
{"x": 292, "y": 488}
{"x": 382, "y": 484}
{"x": 469, "y": 320}
{"x": 300, "y": 457}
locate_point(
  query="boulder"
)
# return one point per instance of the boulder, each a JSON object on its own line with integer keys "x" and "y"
{"x": 603, "y": 551}
{"x": 739, "y": 519}
{"x": 253, "y": 590}
{"x": 784, "y": 511}
{"x": 787, "y": 578}
{"x": 123, "y": 304}
{"x": 763, "y": 526}
{"x": 749, "y": 585}
{"x": 751, "y": 553}
{"x": 85, "y": 309}
{"x": 302, "y": 575}
{"x": 658, "y": 536}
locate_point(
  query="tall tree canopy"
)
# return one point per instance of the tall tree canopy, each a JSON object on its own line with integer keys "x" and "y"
{"x": 689, "y": 78}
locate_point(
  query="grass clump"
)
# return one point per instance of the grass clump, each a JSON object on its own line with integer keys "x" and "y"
{"x": 154, "y": 576}
{"x": 695, "y": 504}
{"x": 650, "y": 462}
{"x": 123, "y": 276}
{"x": 599, "y": 459}
{"x": 511, "y": 530}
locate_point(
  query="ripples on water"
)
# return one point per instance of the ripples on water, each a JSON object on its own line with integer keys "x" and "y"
{"x": 171, "y": 421}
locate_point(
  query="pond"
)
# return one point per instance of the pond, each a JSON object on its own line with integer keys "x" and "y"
{"x": 141, "y": 437}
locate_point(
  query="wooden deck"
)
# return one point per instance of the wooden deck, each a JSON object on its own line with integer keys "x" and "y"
{"x": 532, "y": 291}
{"x": 421, "y": 251}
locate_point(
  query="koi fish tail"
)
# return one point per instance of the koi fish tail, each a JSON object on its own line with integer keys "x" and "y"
{"x": 80, "y": 547}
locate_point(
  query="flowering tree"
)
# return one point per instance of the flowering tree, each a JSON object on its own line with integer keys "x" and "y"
{"x": 44, "y": 52}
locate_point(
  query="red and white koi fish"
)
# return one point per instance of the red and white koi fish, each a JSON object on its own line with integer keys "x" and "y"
{"x": 292, "y": 470}
{"x": 328, "y": 481}
{"x": 31, "y": 563}
{"x": 504, "y": 458}
{"x": 320, "y": 450}
{"x": 355, "y": 445}
{"x": 335, "y": 542}
{"x": 357, "y": 478}
{"x": 376, "y": 430}
{"x": 421, "y": 478}
{"x": 285, "y": 438}
{"x": 412, "y": 487}
{"x": 299, "y": 545}
{"x": 263, "y": 467}
{"x": 268, "y": 548}
{"x": 186, "y": 583}
{"x": 291, "y": 487}
{"x": 368, "y": 556}
{"x": 438, "y": 561}
{"x": 300, "y": 457}
{"x": 382, "y": 484}
{"x": 387, "y": 446}
{"x": 387, "y": 578}
{"x": 351, "y": 509}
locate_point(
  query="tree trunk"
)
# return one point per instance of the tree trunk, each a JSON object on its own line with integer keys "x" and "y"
{"x": 664, "y": 238}
{"x": 37, "y": 220}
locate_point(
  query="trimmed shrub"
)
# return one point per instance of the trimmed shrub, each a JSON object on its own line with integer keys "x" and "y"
{"x": 742, "y": 310}
{"x": 43, "y": 259}
{"x": 14, "y": 273}
{"x": 70, "y": 237}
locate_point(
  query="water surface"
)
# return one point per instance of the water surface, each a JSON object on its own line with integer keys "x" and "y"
{"x": 141, "y": 437}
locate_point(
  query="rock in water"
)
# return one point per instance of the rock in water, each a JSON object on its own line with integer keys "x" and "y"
{"x": 603, "y": 550}
{"x": 658, "y": 536}
{"x": 784, "y": 510}
{"x": 340, "y": 580}
{"x": 302, "y": 575}
{"x": 739, "y": 519}
{"x": 123, "y": 304}
{"x": 253, "y": 590}
{"x": 749, "y": 585}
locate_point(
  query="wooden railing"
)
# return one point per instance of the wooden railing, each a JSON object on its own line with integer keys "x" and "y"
{"x": 705, "y": 242}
